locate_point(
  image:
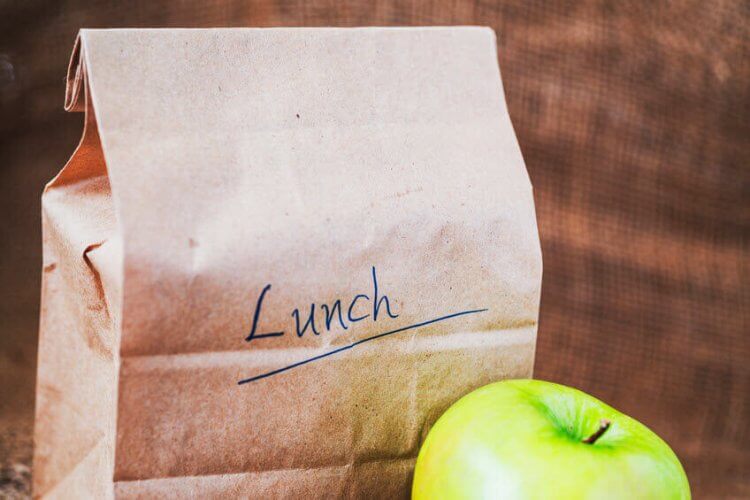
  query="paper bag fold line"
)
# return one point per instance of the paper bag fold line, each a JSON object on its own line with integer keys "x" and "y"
{"x": 392, "y": 478}
{"x": 74, "y": 81}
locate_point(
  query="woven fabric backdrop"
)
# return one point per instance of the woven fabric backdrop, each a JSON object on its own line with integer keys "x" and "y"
{"x": 634, "y": 119}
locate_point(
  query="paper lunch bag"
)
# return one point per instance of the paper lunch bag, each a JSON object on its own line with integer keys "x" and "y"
{"x": 276, "y": 257}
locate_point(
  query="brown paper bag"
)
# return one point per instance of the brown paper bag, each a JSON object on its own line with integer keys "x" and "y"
{"x": 275, "y": 258}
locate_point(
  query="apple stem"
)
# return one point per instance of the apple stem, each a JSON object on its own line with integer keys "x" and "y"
{"x": 604, "y": 424}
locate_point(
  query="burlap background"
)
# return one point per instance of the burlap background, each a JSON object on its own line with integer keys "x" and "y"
{"x": 634, "y": 118}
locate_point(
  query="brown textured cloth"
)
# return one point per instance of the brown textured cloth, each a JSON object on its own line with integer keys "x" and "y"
{"x": 634, "y": 119}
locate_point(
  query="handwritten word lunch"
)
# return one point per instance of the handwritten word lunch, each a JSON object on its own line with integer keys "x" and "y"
{"x": 363, "y": 306}
{"x": 357, "y": 309}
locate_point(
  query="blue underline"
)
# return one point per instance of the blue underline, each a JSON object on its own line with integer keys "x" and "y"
{"x": 354, "y": 344}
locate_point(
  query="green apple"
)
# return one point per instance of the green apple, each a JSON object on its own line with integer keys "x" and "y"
{"x": 528, "y": 439}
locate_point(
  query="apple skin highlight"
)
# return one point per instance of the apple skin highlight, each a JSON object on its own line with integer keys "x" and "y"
{"x": 529, "y": 439}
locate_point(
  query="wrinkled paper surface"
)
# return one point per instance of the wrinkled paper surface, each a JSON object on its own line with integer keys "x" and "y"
{"x": 324, "y": 163}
